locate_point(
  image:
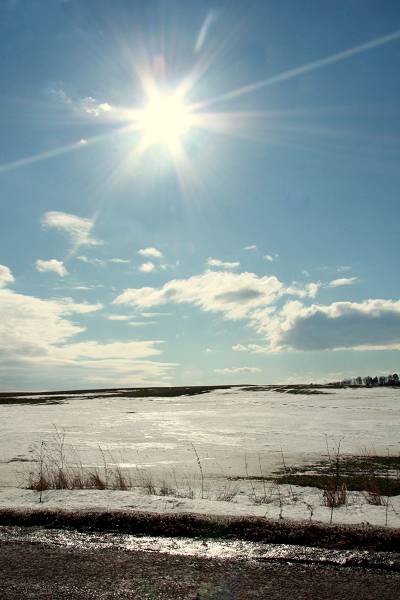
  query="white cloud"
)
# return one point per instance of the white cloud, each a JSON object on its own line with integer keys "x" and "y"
{"x": 82, "y": 287}
{"x": 30, "y": 324}
{"x": 150, "y": 252}
{"x": 83, "y": 142}
{"x": 235, "y": 370}
{"x": 118, "y": 317}
{"x": 220, "y": 264}
{"x": 251, "y": 247}
{"x": 252, "y": 348}
{"x": 119, "y": 261}
{"x": 87, "y": 105}
{"x": 342, "y": 281}
{"x": 239, "y": 348}
{"x": 234, "y": 295}
{"x": 295, "y": 326}
{"x": 152, "y": 315}
{"x": 96, "y": 262}
{"x": 93, "y": 107}
{"x": 78, "y": 229}
{"x": 141, "y": 323}
{"x": 270, "y": 257}
{"x": 52, "y": 265}
{"x": 312, "y": 289}
{"x": 6, "y": 276}
{"x": 147, "y": 267}
{"x": 309, "y": 290}
{"x": 372, "y": 324}
{"x": 36, "y": 350}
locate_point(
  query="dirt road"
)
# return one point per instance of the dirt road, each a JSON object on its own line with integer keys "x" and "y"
{"x": 36, "y": 572}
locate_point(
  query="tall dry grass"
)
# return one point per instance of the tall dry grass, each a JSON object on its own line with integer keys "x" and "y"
{"x": 59, "y": 467}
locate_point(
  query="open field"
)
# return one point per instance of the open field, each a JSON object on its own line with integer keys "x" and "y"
{"x": 263, "y": 451}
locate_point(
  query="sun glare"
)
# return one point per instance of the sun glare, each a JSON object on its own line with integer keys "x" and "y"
{"x": 164, "y": 121}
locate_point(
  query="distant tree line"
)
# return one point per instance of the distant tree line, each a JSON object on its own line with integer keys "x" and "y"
{"x": 377, "y": 381}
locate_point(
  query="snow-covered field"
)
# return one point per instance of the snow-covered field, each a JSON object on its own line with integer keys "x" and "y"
{"x": 233, "y": 431}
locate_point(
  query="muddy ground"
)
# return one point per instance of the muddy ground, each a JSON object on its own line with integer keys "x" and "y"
{"x": 36, "y": 572}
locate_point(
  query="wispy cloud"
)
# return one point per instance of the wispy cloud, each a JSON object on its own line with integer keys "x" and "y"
{"x": 210, "y": 18}
{"x": 216, "y": 263}
{"x": 118, "y": 317}
{"x": 343, "y": 268}
{"x": 236, "y": 370}
{"x": 251, "y": 247}
{"x": 91, "y": 260}
{"x": 119, "y": 261}
{"x": 88, "y": 105}
{"x": 78, "y": 229}
{"x": 253, "y": 348}
{"x": 52, "y": 265}
{"x": 270, "y": 257}
{"x": 150, "y": 252}
{"x": 342, "y": 281}
{"x": 93, "y": 107}
{"x": 152, "y": 315}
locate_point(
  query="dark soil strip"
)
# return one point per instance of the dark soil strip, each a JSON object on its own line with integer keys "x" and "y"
{"x": 32, "y": 401}
{"x": 158, "y": 392}
{"x": 190, "y": 525}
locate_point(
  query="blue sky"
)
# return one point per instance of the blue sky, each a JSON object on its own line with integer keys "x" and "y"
{"x": 198, "y": 192}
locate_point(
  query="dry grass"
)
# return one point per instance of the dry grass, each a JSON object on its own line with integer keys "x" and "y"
{"x": 227, "y": 493}
{"x": 335, "y": 497}
{"x": 58, "y": 467}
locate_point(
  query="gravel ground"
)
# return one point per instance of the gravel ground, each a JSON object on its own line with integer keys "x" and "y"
{"x": 36, "y": 572}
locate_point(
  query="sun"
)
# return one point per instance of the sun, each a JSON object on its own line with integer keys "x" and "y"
{"x": 164, "y": 121}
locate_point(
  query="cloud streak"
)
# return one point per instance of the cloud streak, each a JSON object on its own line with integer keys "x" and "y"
{"x": 342, "y": 281}
{"x": 210, "y": 18}
{"x": 237, "y": 370}
{"x": 77, "y": 229}
{"x": 216, "y": 263}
